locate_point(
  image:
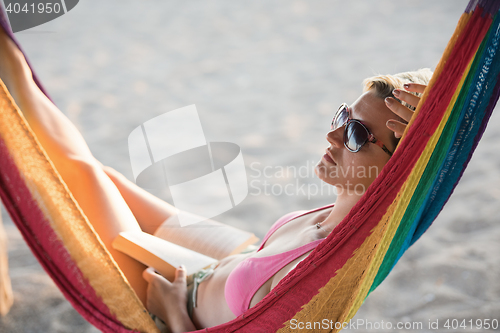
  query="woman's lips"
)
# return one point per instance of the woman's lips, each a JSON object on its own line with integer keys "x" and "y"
{"x": 328, "y": 158}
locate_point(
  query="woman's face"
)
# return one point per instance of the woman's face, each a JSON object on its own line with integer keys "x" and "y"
{"x": 350, "y": 172}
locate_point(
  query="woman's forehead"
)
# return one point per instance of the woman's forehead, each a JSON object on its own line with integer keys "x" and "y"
{"x": 366, "y": 106}
{"x": 372, "y": 111}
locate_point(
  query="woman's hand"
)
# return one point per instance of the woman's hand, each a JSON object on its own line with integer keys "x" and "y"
{"x": 399, "y": 109}
{"x": 168, "y": 300}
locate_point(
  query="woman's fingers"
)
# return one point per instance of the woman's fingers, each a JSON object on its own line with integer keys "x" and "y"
{"x": 415, "y": 87}
{"x": 406, "y": 97}
{"x": 168, "y": 300}
{"x": 148, "y": 274}
{"x": 398, "y": 108}
{"x": 180, "y": 275}
{"x": 397, "y": 127}
{"x": 405, "y": 113}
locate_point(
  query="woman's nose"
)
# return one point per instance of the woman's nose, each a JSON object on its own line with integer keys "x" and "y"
{"x": 335, "y": 137}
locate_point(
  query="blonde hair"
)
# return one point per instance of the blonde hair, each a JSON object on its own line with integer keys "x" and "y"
{"x": 383, "y": 85}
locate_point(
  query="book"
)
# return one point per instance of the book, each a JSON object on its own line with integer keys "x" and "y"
{"x": 195, "y": 246}
{"x": 163, "y": 255}
{"x": 211, "y": 238}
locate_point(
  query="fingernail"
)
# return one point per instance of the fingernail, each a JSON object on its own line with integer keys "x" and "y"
{"x": 390, "y": 125}
{"x": 395, "y": 92}
{"x": 388, "y": 100}
{"x": 406, "y": 85}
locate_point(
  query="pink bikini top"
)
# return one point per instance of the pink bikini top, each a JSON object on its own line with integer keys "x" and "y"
{"x": 250, "y": 274}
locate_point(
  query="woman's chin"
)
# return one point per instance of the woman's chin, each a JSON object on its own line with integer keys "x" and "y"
{"x": 319, "y": 169}
{"x": 322, "y": 172}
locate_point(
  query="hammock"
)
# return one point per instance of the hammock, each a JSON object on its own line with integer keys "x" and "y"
{"x": 333, "y": 281}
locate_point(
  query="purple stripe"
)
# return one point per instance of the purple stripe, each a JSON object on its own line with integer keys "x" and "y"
{"x": 489, "y": 6}
{"x": 470, "y": 7}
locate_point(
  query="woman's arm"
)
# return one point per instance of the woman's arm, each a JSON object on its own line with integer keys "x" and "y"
{"x": 168, "y": 300}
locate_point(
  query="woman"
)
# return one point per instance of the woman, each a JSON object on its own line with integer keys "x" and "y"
{"x": 363, "y": 135}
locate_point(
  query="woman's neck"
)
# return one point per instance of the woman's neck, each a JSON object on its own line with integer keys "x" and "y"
{"x": 342, "y": 207}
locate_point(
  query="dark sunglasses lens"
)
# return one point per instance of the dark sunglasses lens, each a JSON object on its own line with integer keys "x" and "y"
{"x": 355, "y": 136}
{"x": 340, "y": 117}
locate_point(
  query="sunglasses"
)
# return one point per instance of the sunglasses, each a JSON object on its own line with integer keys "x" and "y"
{"x": 356, "y": 134}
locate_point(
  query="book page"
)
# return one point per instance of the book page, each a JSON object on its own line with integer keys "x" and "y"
{"x": 211, "y": 238}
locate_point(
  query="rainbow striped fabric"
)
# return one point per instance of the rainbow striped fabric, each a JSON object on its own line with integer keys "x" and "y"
{"x": 335, "y": 279}
{"x": 420, "y": 177}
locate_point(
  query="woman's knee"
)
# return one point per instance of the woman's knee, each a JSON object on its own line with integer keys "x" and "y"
{"x": 77, "y": 171}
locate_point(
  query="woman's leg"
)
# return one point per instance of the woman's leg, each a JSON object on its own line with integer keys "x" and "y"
{"x": 149, "y": 210}
{"x": 92, "y": 188}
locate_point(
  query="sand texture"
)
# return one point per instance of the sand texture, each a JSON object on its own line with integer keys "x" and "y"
{"x": 268, "y": 76}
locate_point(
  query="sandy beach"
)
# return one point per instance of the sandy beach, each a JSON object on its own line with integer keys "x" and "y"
{"x": 268, "y": 76}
